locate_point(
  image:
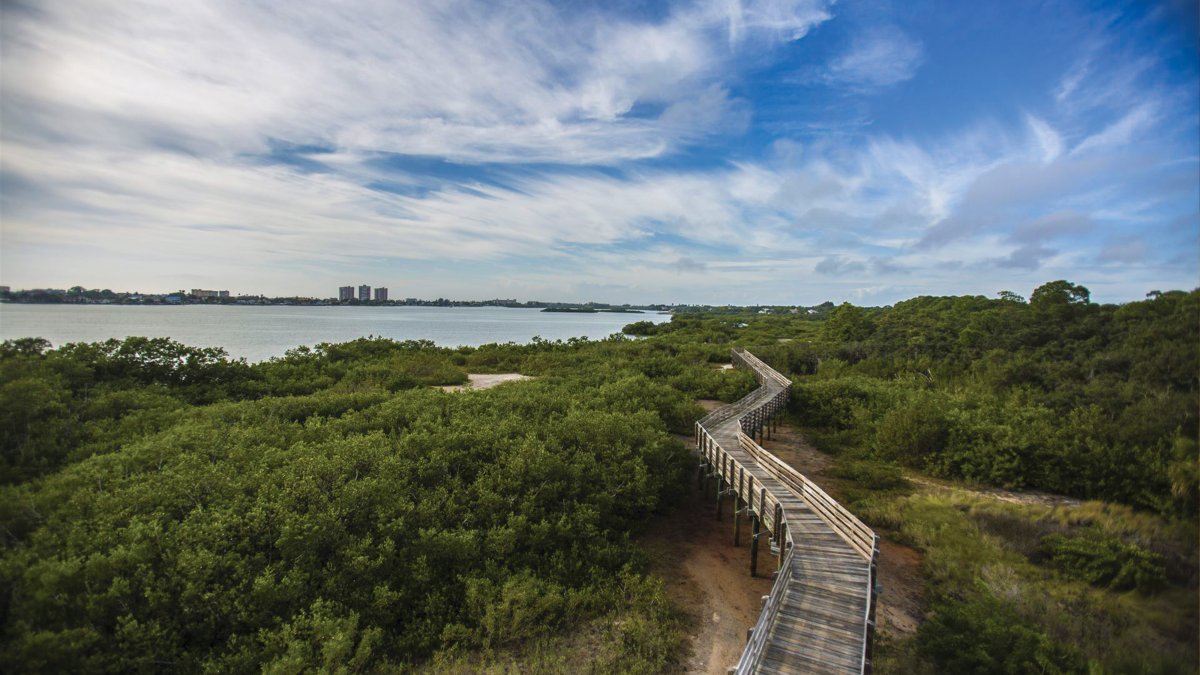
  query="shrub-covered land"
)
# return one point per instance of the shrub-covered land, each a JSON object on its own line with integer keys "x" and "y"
{"x": 168, "y": 509}
{"x": 1057, "y": 394}
{"x": 165, "y": 508}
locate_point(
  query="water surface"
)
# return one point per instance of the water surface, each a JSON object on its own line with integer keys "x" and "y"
{"x": 260, "y": 332}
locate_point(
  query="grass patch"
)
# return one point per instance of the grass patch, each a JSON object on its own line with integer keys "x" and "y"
{"x": 1016, "y": 588}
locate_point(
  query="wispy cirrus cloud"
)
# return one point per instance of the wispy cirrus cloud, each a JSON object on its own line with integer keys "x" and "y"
{"x": 466, "y": 81}
{"x": 880, "y": 57}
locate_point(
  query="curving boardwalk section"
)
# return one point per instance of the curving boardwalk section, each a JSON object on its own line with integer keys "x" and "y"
{"x": 819, "y": 616}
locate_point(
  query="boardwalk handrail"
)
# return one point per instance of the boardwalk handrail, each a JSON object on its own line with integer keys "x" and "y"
{"x": 850, "y": 528}
{"x": 761, "y": 369}
{"x": 753, "y": 411}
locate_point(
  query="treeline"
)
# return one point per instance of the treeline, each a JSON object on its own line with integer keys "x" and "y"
{"x": 1057, "y": 393}
{"x": 170, "y": 509}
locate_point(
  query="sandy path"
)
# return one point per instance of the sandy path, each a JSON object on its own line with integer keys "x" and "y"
{"x": 1039, "y": 498}
{"x": 709, "y": 578}
{"x": 485, "y": 381}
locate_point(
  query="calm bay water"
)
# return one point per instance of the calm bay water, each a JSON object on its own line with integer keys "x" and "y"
{"x": 260, "y": 332}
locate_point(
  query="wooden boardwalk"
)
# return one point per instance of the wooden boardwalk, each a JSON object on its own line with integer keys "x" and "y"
{"x": 820, "y": 614}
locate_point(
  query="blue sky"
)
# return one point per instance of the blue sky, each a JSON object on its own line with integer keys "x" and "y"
{"x": 782, "y": 152}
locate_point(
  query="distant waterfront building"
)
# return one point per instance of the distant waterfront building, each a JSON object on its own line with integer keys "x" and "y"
{"x": 6, "y": 289}
{"x": 201, "y": 293}
{"x": 364, "y": 293}
{"x": 345, "y": 293}
{"x": 381, "y": 293}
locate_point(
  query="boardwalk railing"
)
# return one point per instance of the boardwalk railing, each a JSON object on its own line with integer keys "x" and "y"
{"x": 763, "y": 483}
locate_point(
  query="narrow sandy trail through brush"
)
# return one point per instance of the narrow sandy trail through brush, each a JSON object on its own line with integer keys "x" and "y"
{"x": 708, "y": 578}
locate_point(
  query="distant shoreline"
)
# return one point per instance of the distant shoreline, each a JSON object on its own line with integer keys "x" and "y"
{"x": 324, "y": 303}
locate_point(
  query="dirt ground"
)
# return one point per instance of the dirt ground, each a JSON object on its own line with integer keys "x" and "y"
{"x": 899, "y": 610}
{"x": 485, "y": 381}
{"x": 709, "y": 579}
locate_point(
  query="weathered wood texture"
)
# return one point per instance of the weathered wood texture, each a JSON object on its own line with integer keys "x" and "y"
{"x": 819, "y": 616}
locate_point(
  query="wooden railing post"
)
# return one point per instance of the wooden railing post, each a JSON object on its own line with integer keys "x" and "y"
{"x": 778, "y": 534}
{"x": 737, "y": 511}
{"x": 719, "y": 486}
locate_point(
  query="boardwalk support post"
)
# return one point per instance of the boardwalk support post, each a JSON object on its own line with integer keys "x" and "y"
{"x": 720, "y": 493}
{"x": 754, "y": 522}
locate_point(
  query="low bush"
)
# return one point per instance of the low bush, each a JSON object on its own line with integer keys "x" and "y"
{"x": 1104, "y": 561}
{"x": 872, "y": 474}
{"x": 984, "y": 636}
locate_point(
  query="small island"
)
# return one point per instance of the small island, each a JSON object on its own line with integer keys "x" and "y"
{"x": 593, "y": 310}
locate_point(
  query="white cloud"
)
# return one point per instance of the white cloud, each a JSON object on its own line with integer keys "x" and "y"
{"x": 1048, "y": 140}
{"x": 879, "y": 57}
{"x": 785, "y": 19}
{"x": 1119, "y": 133}
{"x": 468, "y": 81}
{"x": 1073, "y": 78}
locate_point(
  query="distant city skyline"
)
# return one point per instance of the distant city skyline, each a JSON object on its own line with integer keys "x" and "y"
{"x": 783, "y": 152}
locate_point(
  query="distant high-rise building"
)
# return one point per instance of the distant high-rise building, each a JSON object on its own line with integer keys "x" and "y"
{"x": 345, "y": 293}
{"x": 202, "y": 293}
{"x": 381, "y": 293}
{"x": 364, "y": 293}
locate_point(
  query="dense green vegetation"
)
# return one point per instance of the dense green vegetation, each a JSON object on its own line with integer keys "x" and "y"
{"x": 166, "y": 508}
{"x": 170, "y": 509}
{"x": 1059, "y": 394}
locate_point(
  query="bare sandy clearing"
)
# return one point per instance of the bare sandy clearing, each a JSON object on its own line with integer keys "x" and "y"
{"x": 486, "y": 381}
{"x": 1030, "y": 497}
